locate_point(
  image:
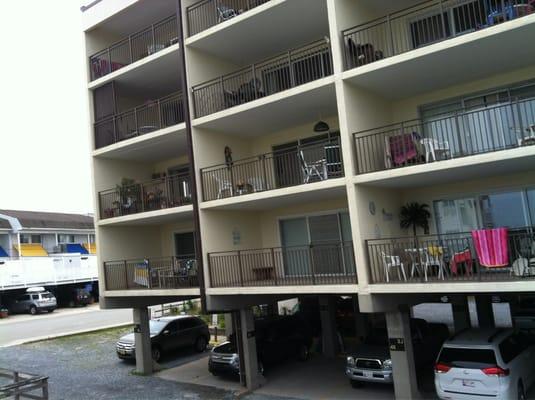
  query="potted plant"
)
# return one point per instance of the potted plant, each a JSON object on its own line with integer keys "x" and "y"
{"x": 3, "y": 312}
{"x": 128, "y": 192}
{"x": 415, "y": 215}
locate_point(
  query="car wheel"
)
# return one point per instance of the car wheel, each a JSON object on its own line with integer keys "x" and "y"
{"x": 156, "y": 353}
{"x": 200, "y": 344}
{"x": 521, "y": 392}
{"x": 33, "y": 310}
{"x": 303, "y": 353}
{"x": 356, "y": 384}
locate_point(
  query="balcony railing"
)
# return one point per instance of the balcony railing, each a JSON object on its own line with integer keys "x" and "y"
{"x": 424, "y": 24}
{"x": 168, "y": 192}
{"x": 152, "y": 273}
{"x": 162, "y": 113}
{"x": 447, "y": 258}
{"x": 208, "y": 13}
{"x": 288, "y": 70}
{"x": 459, "y": 134}
{"x": 284, "y": 168}
{"x": 135, "y": 47}
{"x": 322, "y": 264}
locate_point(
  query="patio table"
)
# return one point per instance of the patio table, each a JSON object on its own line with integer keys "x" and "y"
{"x": 465, "y": 257}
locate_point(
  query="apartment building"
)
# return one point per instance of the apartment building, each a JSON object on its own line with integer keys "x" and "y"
{"x": 251, "y": 151}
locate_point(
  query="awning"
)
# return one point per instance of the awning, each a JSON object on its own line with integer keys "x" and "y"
{"x": 3, "y": 253}
{"x": 31, "y": 250}
{"x": 75, "y": 248}
{"x": 91, "y": 248}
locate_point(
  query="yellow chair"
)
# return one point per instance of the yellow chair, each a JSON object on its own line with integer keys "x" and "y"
{"x": 31, "y": 250}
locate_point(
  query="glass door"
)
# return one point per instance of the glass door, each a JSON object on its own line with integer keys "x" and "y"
{"x": 295, "y": 246}
{"x": 326, "y": 244}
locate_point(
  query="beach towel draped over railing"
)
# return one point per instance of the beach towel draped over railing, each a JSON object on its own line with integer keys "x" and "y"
{"x": 491, "y": 247}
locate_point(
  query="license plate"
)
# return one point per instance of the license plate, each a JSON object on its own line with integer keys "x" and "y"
{"x": 121, "y": 351}
{"x": 468, "y": 383}
{"x": 368, "y": 374}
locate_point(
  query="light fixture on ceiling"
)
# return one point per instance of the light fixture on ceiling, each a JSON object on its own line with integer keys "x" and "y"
{"x": 321, "y": 126}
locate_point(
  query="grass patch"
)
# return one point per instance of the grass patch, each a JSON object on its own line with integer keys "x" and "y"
{"x": 96, "y": 336}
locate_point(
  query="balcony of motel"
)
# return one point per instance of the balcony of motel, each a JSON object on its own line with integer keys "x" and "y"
{"x": 396, "y": 29}
{"x": 129, "y": 38}
{"x": 462, "y": 132}
{"x": 474, "y": 235}
{"x": 308, "y": 246}
{"x": 301, "y": 163}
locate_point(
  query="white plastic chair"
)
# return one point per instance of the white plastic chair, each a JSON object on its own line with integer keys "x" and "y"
{"x": 223, "y": 185}
{"x": 433, "y": 146}
{"x": 425, "y": 261}
{"x": 309, "y": 170}
{"x": 390, "y": 262}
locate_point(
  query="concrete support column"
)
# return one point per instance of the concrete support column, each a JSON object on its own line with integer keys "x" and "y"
{"x": 248, "y": 358}
{"x": 328, "y": 325}
{"x": 402, "y": 355}
{"x": 361, "y": 322}
{"x": 142, "y": 341}
{"x": 229, "y": 324}
{"x": 481, "y": 312}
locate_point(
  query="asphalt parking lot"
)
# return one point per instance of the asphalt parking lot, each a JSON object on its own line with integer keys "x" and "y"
{"x": 86, "y": 367}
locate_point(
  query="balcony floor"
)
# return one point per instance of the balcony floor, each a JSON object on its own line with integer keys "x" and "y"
{"x": 156, "y": 217}
{"x": 473, "y": 56}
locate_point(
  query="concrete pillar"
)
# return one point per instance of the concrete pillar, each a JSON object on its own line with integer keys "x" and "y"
{"x": 248, "y": 358}
{"x": 362, "y": 325}
{"x": 229, "y": 325}
{"x": 461, "y": 316}
{"x": 329, "y": 335}
{"x": 481, "y": 313}
{"x": 142, "y": 341}
{"x": 402, "y": 355}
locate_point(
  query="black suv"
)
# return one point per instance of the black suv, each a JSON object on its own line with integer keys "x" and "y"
{"x": 277, "y": 338}
{"x": 168, "y": 334}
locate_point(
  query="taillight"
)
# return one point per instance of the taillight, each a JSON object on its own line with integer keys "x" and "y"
{"x": 495, "y": 371}
{"x": 442, "y": 368}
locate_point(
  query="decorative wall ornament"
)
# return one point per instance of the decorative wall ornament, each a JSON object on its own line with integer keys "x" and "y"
{"x": 387, "y": 216}
{"x": 371, "y": 207}
{"x": 236, "y": 237}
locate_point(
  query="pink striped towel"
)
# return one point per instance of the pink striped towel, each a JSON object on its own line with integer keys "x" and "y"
{"x": 491, "y": 247}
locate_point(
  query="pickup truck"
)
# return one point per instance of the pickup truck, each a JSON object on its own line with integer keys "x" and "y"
{"x": 371, "y": 361}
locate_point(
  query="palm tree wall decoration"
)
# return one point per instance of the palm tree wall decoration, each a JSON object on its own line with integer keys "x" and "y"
{"x": 415, "y": 215}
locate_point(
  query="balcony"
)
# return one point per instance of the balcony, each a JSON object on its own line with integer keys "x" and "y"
{"x": 424, "y": 24}
{"x": 208, "y": 13}
{"x": 135, "y": 47}
{"x": 284, "y": 168}
{"x": 154, "y": 273}
{"x": 452, "y": 258}
{"x": 277, "y": 74}
{"x": 322, "y": 264}
{"x": 149, "y": 117}
{"x": 158, "y": 194}
{"x": 459, "y": 134}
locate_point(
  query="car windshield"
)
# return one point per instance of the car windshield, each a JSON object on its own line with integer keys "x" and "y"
{"x": 467, "y": 358}
{"x": 47, "y": 296}
{"x": 156, "y": 326}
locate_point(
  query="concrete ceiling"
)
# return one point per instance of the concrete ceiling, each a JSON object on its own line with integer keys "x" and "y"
{"x": 440, "y": 65}
{"x": 253, "y": 39}
{"x": 251, "y": 119}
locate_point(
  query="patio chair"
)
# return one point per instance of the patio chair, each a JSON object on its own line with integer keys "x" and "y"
{"x": 491, "y": 247}
{"x": 428, "y": 258}
{"x": 257, "y": 183}
{"x": 225, "y": 13}
{"x": 433, "y": 147}
{"x": 223, "y": 186}
{"x": 310, "y": 169}
{"x": 393, "y": 262}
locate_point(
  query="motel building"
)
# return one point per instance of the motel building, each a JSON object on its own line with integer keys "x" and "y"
{"x": 268, "y": 152}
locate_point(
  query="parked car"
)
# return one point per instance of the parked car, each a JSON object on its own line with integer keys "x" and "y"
{"x": 277, "y": 338}
{"x": 168, "y": 334}
{"x": 371, "y": 360}
{"x": 34, "y": 301}
{"x": 73, "y": 297}
{"x": 486, "y": 363}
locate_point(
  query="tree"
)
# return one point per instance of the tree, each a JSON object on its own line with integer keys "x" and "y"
{"x": 415, "y": 215}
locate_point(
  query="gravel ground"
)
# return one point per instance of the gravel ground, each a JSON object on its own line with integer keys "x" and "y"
{"x": 86, "y": 367}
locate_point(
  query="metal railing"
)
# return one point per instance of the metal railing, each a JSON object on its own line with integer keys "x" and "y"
{"x": 459, "y": 134}
{"x": 447, "y": 258}
{"x": 289, "y": 167}
{"x": 157, "y": 194}
{"x": 149, "y": 117}
{"x": 23, "y": 385}
{"x": 174, "y": 272}
{"x": 424, "y": 24}
{"x": 208, "y": 13}
{"x": 321, "y": 264}
{"x": 276, "y": 74}
{"x": 138, "y": 45}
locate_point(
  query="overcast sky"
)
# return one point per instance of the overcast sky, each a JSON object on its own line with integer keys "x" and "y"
{"x": 44, "y": 149}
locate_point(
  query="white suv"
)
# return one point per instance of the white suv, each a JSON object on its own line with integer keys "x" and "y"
{"x": 485, "y": 363}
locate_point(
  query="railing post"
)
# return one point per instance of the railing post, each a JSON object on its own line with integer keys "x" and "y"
{"x": 210, "y": 274}
{"x": 458, "y": 129}
{"x": 126, "y": 274}
{"x": 149, "y": 273}
{"x": 290, "y": 69}
{"x": 264, "y": 171}
{"x": 441, "y": 8}
{"x": 136, "y": 121}
{"x": 142, "y": 197}
{"x": 391, "y": 34}
{"x": 274, "y": 266}
{"x": 153, "y": 39}
{"x": 312, "y": 269}
{"x": 114, "y": 122}
{"x": 130, "y": 49}
{"x": 255, "y": 90}
{"x": 159, "y": 111}
{"x": 240, "y": 267}
{"x": 109, "y": 61}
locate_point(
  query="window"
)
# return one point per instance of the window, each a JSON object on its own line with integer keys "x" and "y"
{"x": 27, "y": 238}
{"x": 172, "y": 327}
{"x": 24, "y": 297}
{"x": 503, "y": 209}
{"x": 467, "y": 358}
{"x": 187, "y": 323}
{"x": 510, "y": 348}
{"x": 35, "y": 296}
{"x": 63, "y": 238}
